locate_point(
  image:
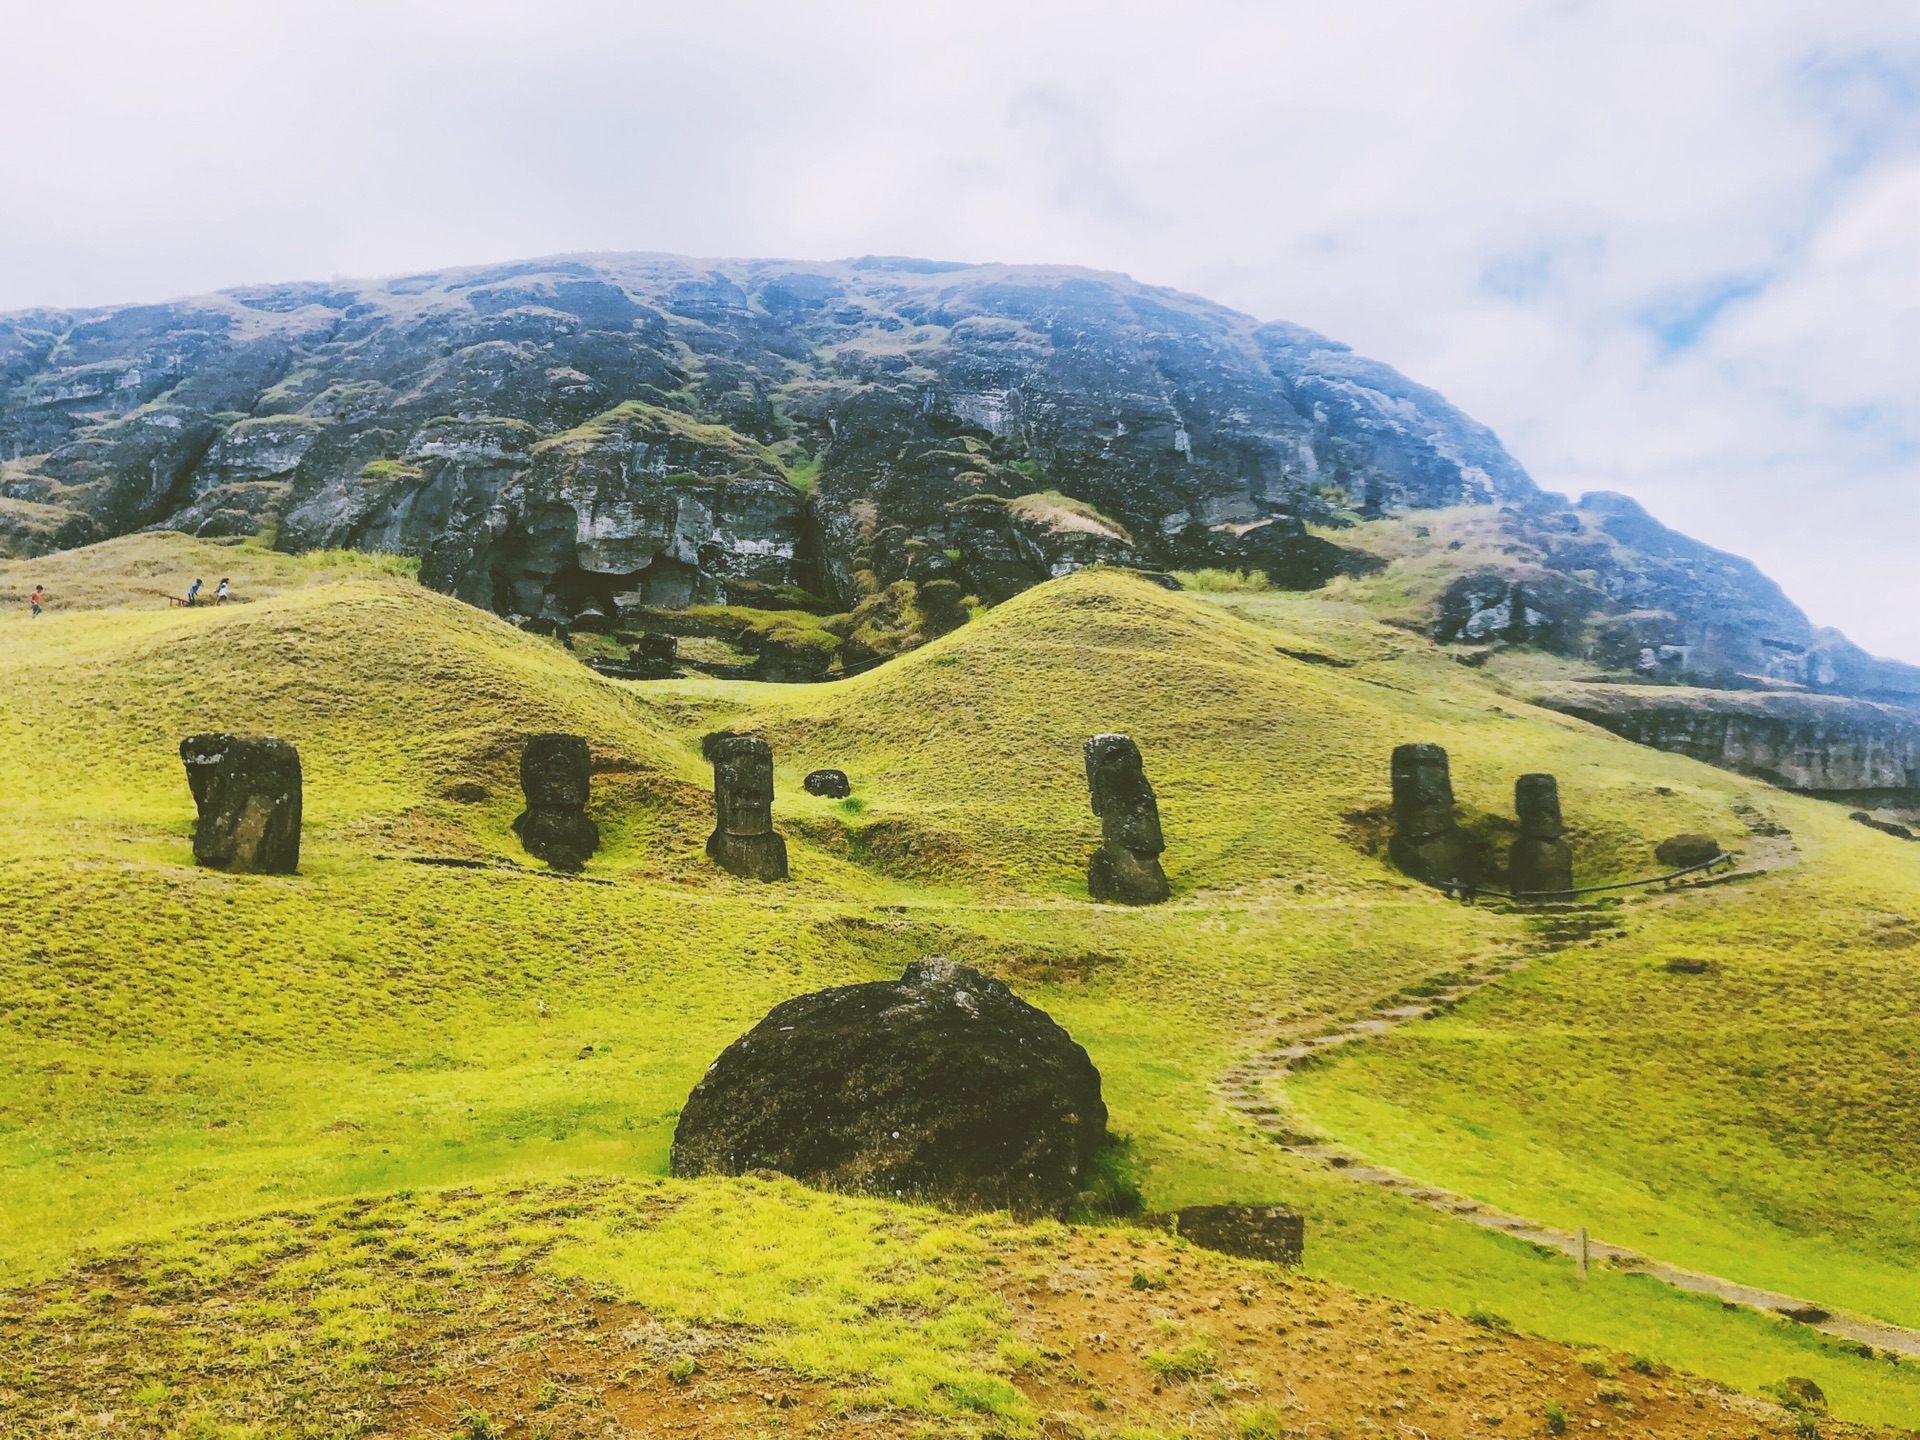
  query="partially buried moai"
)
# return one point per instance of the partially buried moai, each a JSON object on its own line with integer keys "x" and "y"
{"x": 247, "y": 790}
{"x": 743, "y": 840}
{"x": 1541, "y": 862}
{"x": 555, "y": 773}
{"x": 1426, "y": 843}
{"x": 1126, "y": 867}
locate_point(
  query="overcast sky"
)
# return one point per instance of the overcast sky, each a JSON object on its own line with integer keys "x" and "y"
{"x": 1666, "y": 248}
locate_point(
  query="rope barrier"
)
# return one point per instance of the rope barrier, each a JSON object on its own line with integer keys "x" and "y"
{"x": 1470, "y": 893}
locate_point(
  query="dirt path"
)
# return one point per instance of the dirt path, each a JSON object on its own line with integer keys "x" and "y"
{"x": 1252, "y": 1089}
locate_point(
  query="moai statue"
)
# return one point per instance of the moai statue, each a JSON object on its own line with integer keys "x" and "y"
{"x": 554, "y": 827}
{"x": 1426, "y": 844}
{"x": 247, "y": 790}
{"x": 743, "y": 840}
{"x": 1541, "y": 862}
{"x": 1126, "y": 867}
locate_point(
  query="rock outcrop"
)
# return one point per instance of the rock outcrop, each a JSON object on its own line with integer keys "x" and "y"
{"x": 1816, "y": 743}
{"x": 1541, "y": 861}
{"x": 1274, "y": 1233}
{"x": 831, "y": 783}
{"x": 581, "y": 442}
{"x": 1126, "y": 868}
{"x": 555, "y": 776}
{"x": 639, "y": 507}
{"x": 744, "y": 842}
{"x": 942, "y": 1085}
{"x": 564, "y": 438}
{"x": 1885, "y": 827}
{"x": 247, "y": 789}
{"x": 1683, "y": 852}
{"x": 1427, "y": 843}
{"x": 1605, "y": 582}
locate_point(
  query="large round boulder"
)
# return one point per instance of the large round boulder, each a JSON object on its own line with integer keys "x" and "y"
{"x": 941, "y": 1085}
{"x": 1683, "y": 852}
{"x": 833, "y": 784}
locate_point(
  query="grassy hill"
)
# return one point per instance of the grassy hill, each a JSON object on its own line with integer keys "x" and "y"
{"x": 185, "y": 1048}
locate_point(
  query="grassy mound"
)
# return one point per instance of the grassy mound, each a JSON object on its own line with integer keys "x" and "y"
{"x": 187, "y": 1047}
{"x": 765, "y": 1309}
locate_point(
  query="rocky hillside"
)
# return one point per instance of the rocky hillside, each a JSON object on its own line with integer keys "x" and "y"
{"x": 1823, "y": 744}
{"x": 560, "y": 438}
{"x": 301, "y": 1099}
{"x": 598, "y": 443}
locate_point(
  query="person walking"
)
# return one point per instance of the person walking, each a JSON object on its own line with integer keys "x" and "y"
{"x": 35, "y": 599}
{"x": 220, "y": 592}
{"x": 193, "y": 592}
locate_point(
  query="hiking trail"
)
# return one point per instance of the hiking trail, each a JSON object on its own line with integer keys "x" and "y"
{"x": 1254, "y": 1089}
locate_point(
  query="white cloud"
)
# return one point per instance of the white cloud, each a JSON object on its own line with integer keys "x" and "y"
{"x": 1664, "y": 249}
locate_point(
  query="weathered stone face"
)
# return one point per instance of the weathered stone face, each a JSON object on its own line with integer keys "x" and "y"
{"x": 742, "y": 783}
{"x": 247, "y": 789}
{"x": 1540, "y": 862}
{"x": 743, "y": 840}
{"x": 942, "y": 1085}
{"x": 555, "y": 770}
{"x": 1536, "y": 800}
{"x": 1122, "y": 797}
{"x": 1540, "y": 867}
{"x": 1422, "y": 791}
{"x": 555, "y": 775}
{"x": 1426, "y": 844}
{"x": 1126, "y": 867}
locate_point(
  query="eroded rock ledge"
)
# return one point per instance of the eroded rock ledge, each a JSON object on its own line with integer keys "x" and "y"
{"x": 1824, "y": 744}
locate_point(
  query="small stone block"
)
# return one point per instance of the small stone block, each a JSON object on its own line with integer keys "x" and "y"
{"x": 1253, "y": 1232}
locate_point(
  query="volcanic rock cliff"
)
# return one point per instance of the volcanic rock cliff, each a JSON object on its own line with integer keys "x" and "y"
{"x": 574, "y": 436}
{"x": 1826, "y": 744}
{"x": 1603, "y": 581}
{"x": 609, "y": 442}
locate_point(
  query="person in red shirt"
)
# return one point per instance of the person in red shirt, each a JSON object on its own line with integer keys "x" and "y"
{"x": 34, "y": 600}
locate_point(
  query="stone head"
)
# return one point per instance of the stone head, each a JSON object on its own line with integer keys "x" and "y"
{"x": 555, "y": 770}
{"x": 1422, "y": 790}
{"x": 1536, "y": 800}
{"x": 247, "y": 790}
{"x": 742, "y": 782}
{"x": 258, "y": 762}
{"x": 1122, "y": 797}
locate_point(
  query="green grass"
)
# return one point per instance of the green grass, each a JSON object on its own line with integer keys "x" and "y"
{"x": 183, "y": 1046}
{"x": 798, "y": 628}
{"x": 725, "y": 451}
{"x": 831, "y": 1290}
{"x": 803, "y": 475}
{"x": 1193, "y": 1358}
{"x": 1224, "y": 582}
{"x": 1059, "y": 512}
{"x": 1742, "y": 1121}
{"x": 298, "y": 1318}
